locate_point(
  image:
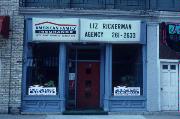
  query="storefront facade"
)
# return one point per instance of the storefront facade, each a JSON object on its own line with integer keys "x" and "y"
{"x": 102, "y": 55}
{"x": 83, "y": 63}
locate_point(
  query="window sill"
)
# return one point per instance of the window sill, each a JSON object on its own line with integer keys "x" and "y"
{"x": 45, "y": 97}
{"x": 127, "y": 98}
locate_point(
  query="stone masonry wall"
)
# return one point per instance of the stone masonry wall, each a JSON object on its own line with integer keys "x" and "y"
{"x": 11, "y": 51}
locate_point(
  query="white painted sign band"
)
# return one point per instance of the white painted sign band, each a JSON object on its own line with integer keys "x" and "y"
{"x": 91, "y": 30}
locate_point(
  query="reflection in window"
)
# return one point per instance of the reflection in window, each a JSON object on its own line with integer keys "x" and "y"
{"x": 127, "y": 70}
{"x": 42, "y": 69}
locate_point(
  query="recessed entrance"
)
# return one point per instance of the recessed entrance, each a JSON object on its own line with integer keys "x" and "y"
{"x": 84, "y": 78}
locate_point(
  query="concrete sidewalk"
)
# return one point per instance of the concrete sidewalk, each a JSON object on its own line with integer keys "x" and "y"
{"x": 154, "y": 116}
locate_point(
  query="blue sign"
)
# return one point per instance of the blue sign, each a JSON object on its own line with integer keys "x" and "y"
{"x": 174, "y": 29}
{"x": 170, "y": 34}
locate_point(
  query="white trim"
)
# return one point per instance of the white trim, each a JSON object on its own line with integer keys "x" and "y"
{"x": 169, "y": 60}
{"x": 158, "y": 69}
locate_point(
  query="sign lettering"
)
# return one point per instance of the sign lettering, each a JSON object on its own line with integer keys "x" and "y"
{"x": 42, "y": 90}
{"x": 126, "y": 91}
{"x": 110, "y": 30}
{"x": 91, "y": 30}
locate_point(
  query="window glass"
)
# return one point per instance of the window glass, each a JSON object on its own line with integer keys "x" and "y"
{"x": 42, "y": 69}
{"x": 173, "y": 67}
{"x": 92, "y": 54}
{"x": 165, "y": 66}
{"x": 127, "y": 70}
{"x": 71, "y": 99}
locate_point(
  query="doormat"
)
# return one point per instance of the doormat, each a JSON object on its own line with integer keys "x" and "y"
{"x": 85, "y": 112}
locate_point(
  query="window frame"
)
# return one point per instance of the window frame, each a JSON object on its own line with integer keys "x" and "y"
{"x": 135, "y": 72}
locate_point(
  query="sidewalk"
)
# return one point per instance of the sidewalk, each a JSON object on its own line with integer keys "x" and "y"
{"x": 117, "y": 116}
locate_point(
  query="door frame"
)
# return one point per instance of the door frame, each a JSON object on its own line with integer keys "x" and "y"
{"x": 178, "y": 63}
{"x": 101, "y": 47}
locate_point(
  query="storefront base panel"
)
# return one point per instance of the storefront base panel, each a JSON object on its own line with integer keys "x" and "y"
{"x": 41, "y": 106}
{"x": 127, "y": 105}
{"x": 3, "y": 109}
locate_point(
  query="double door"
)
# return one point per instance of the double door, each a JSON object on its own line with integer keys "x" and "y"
{"x": 169, "y": 86}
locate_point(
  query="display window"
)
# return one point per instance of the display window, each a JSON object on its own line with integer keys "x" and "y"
{"x": 42, "y": 69}
{"x": 127, "y": 70}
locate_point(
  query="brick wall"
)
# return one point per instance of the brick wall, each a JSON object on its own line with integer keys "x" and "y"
{"x": 11, "y": 50}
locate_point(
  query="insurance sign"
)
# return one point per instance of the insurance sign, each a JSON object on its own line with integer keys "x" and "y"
{"x": 126, "y": 91}
{"x": 54, "y": 29}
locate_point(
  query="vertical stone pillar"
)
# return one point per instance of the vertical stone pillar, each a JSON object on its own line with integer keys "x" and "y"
{"x": 108, "y": 78}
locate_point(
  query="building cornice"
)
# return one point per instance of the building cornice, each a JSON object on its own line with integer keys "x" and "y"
{"x": 102, "y": 12}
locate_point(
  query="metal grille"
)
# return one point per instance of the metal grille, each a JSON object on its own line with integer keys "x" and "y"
{"x": 40, "y": 3}
{"x": 130, "y": 4}
{"x": 85, "y": 4}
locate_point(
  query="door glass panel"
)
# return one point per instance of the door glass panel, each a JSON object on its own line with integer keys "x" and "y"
{"x": 92, "y": 54}
{"x": 88, "y": 83}
{"x": 88, "y": 88}
{"x": 165, "y": 66}
{"x": 88, "y": 70}
{"x": 87, "y": 94}
{"x": 173, "y": 67}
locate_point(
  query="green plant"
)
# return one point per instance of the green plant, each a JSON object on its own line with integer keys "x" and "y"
{"x": 50, "y": 84}
{"x": 127, "y": 80}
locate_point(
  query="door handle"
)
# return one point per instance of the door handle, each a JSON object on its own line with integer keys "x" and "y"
{"x": 161, "y": 89}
